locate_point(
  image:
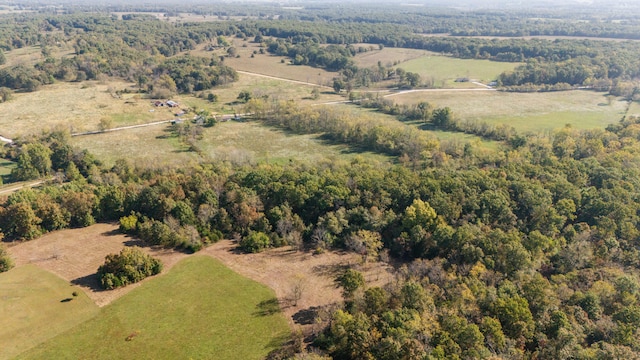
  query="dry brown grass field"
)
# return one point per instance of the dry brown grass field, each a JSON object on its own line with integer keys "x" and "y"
{"x": 76, "y": 107}
{"x": 149, "y": 146}
{"x": 267, "y": 64}
{"x": 387, "y": 56}
{"x": 32, "y": 54}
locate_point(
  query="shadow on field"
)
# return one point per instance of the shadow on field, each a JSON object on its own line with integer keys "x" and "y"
{"x": 90, "y": 281}
{"x": 330, "y": 270}
{"x": 267, "y": 307}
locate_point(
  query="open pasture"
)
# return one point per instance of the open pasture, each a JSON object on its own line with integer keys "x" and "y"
{"x": 151, "y": 146}
{"x": 30, "y": 55}
{"x": 35, "y": 306}
{"x": 526, "y": 111}
{"x": 267, "y": 64}
{"x": 76, "y": 107}
{"x": 444, "y": 70}
{"x": 387, "y": 56}
{"x": 198, "y": 310}
{"x": 249, "y": 142}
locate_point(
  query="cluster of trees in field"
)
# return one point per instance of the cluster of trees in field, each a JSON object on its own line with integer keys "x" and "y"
{"x": 440, "y": 118}
{"x": 533, "y": 251}
{"x": 345, "y": 127}
{"x": 129, "y": 266}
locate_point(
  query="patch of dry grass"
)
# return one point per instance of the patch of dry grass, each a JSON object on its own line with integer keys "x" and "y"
{"x": 151, "y": 146}
{"x": 387, "y": 56}
{"x": 268, "y": 64}
{"x": 77, "y": 107}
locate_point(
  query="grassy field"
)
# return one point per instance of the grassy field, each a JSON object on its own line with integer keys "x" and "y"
{"x": 387, "y": 56}
{"x": 634, "y": 109}
{"x": 32, "y": 308}
{"x": 77, "y": 107}
{"x": 443, "y": 70}
{"x": 6, "y": 166}
{"x": 30, "y": 55}
{"x": 267, "y": 64}
{"x": 150, "y": 146}
{"x": 199, "y": 310}
{"x": 247, "y": 142}
{"x": 526, "y": 111}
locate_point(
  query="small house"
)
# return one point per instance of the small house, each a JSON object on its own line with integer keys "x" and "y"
{"x": 172, "y": 103}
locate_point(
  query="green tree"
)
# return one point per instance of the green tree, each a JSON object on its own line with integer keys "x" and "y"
{"x": 350, "y": 281}
{"x": 129, "y": 266}
{"x": 244, "y": 96}
{"x": 255, "y": 242}
{"x": 6, "y": 263}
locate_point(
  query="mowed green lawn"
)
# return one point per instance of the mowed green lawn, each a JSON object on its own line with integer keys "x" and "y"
{"x": 446, "y": 69}
{"x": 526, "y": 111}
{"x": 199, "y": 310}
{"x": 33, "y": 310}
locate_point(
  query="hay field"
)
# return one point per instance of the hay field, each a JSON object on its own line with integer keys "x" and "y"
{"x": 267, "y": 64}
{"x": 200, "y": 309}
{"x": 75, "y": 107}
{"x": 443, "y": 70}
{"x": 34, "y": 307}
{"x": 250, "y": 142}
{"x": 526, "y": 111}
{"x": 387, "y": 56}
{"x": 150, "y": 146}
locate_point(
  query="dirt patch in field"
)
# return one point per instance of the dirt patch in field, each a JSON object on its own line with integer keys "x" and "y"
{"x": 76, "y": 254}
{"x": 284, "y": 270}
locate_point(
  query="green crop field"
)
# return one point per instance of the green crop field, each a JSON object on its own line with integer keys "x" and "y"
{"x": 526, "y": 111}
{"x": 199, "y": 310}
{"x": 33, "y": 308}
{"x": 443, "y": 70}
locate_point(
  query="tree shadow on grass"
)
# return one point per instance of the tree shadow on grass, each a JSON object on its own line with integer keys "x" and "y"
{"x": 331, "y": 270}
{"x": 90, "y": 281}
{"x": 268, "y": 307}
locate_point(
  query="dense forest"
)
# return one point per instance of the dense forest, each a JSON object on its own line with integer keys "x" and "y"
{"x": 531, "y": 251}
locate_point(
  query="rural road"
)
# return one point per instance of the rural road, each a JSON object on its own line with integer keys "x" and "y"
{"x": 440, "y": 90}
{"x": 15, "y": 188}
{"x": 7, "y": 140}
{"x": 121, "y": 128}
